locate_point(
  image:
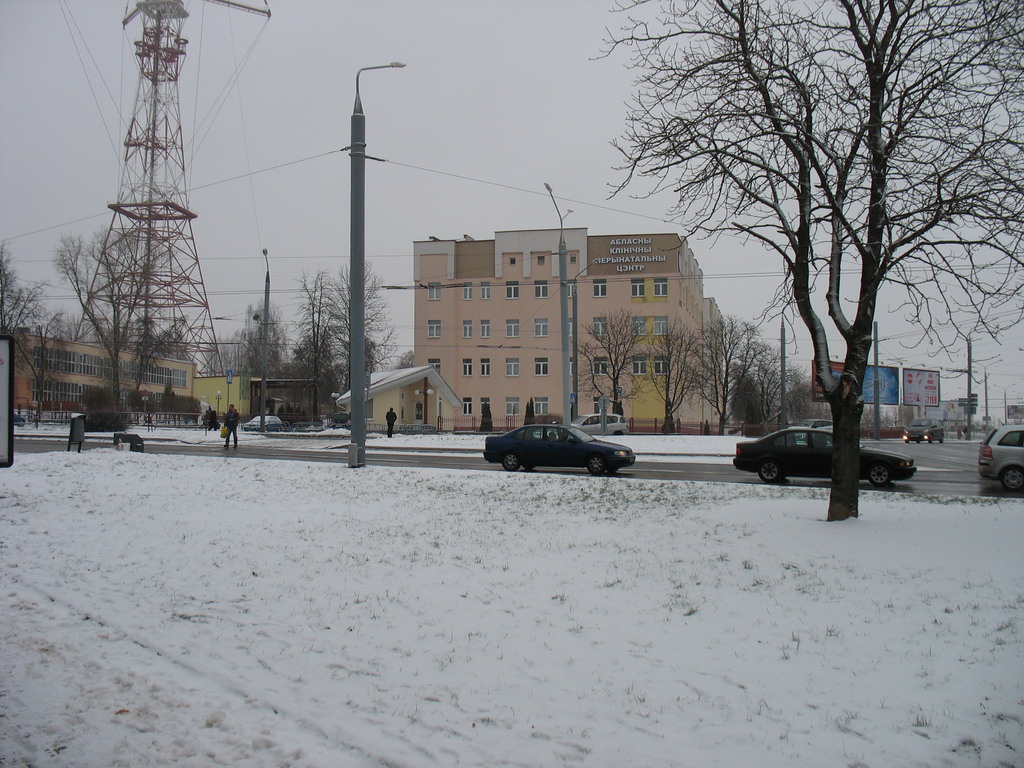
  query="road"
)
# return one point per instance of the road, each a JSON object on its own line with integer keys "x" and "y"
{"x": 948, "y": 469}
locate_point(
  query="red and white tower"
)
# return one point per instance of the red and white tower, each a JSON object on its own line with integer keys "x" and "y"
{"x": 150, "y": 234}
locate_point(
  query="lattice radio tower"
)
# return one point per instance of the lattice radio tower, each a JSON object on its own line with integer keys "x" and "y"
{"x": 150, "y": 237}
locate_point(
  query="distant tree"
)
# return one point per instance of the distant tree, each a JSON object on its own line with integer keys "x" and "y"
{"x": 728, "y": 348}
{"x": 406, "y": 360}
{"x": 486, "y": 421}
{"x": 243, "y": 351}
{"x": 528, "y": 417}
{"x": 864, "y": 144}
{"x": 379, "y": 331}
{"x": 675, "y": 358}
{"x": 606, "y": 357}
{"x": 20, "y": 304}
{"x": 318, "y": 354}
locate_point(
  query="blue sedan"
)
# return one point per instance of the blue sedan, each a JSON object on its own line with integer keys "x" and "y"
{"x": 547, "y": 445}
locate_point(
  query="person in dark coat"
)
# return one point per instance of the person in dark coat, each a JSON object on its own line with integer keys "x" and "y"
{"x": 391, "y": 417}
{"x": 231, "y": 422}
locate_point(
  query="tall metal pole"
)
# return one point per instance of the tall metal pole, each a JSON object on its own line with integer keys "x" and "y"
{"x": 266, "y": 322}
{"x": 783, "y": 416}
{"x": 970, "y": 383}
{"x": 563, "y": 306}
{"x": 357, "y": 278}
{"x": 878, "y": 391}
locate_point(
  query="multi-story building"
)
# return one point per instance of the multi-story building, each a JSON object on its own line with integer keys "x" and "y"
{"x": 487, "y": 313}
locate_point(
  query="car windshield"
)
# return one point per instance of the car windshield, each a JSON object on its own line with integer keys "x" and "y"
{"x": 920, "y": 423}
{"x": 580, "y": 435}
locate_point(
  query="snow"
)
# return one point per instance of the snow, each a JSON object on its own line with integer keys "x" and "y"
{"x": 172, "y": 610}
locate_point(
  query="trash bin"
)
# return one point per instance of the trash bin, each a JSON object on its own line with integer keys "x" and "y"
{"x": 77, "y": 433}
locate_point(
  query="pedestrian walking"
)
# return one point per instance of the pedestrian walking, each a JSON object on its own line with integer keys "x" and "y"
{"x": 231, "y": 422}
{"x": 391, "y": 417}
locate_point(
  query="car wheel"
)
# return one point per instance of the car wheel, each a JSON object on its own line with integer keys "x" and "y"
{"x": 596, "y": 464}
{"x": 510, "y": 461}
{"x": 769, "y": 471}
{"x": 1012, "y": 478}
{"x": 879, "y": 474}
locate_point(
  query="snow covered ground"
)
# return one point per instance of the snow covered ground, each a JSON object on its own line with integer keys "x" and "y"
{"x": 169, "y": 610}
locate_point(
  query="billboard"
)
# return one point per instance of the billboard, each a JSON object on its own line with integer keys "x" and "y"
{"x": 888, "y": 385}
{"x": 1014, "y": 412}
{"x": 920, "y": 387}
{"x": 888, "y": 382}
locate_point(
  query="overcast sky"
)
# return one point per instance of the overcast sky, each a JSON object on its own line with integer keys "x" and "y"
{"x": 497, "y": 99}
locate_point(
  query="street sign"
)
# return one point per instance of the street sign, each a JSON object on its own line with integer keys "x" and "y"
{"x": 231, "y": 375}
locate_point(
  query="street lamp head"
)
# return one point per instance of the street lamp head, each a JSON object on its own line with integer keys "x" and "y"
{"x": 396, "y": 64}
{"x": 264, "y": 251}
{"x": 548, "y": 188}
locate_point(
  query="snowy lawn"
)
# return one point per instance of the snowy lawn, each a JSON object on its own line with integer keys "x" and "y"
{"x": 164, "y": 610}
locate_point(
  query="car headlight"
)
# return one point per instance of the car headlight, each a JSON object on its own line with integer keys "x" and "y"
{"x": 623, "y": 454}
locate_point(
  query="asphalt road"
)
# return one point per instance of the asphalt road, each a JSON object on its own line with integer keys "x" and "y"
{"x": 949, "y": 469}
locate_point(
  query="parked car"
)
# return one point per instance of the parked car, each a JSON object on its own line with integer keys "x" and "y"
{"x": 273, "y": 423}
{"x": 798, "y": 452}
{"x": 929, "y": 430}
{"x": 591, "y": 424}
{"x": 813, "y": 423}
{"x": 548, "y": 445}
{"x": 19, "y": 420}
{"x": 1001, "y": 456}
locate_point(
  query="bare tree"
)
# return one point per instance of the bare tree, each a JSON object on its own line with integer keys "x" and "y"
{"x": 318, "y": 352}
{"x": 675, "y": 356}
{"x": 379, "y": 331}
{"x": 112, "y": 304}
{"x": 20, "y": 304}
{"x": 607, "y": 355}
{"x": 244, "y": 349}
{"x": 863, "y": 143}
{"x": 728, "y": 349}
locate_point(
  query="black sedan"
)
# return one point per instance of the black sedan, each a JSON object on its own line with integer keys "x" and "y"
{"x": 547, "y": 445}
{"x": 808, "y": 453}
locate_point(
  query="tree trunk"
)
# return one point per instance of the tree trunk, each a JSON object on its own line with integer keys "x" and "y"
{"x": 847, "y": 409}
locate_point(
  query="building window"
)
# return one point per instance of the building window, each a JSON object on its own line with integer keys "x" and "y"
{"x": 433, "y": 329}
{"x": 511, "y": 366}
{"x": 467, "y": 291}
{"x": 661, "y": 286}
{"x": 540, "y": 289}
{"x": 600, "y": 289}
{"x": 485, "y": 290}
{"x": 639, "y": 326}
{"x": 512, "y": 328}
{"x": 512, "y": 260}
{"x": 540, "y": 366}
{"x": 600, "y": 366}
{"x": 661, "y": 365}
{"x": 639, "y": 366}
{"x": 540, "y": 406}
{"x": 467, "y": 367}
{"x": 485, "y": 329}
{"x": 484, "y": 401}
{"x": 434, "y": 291}
{"x": 467, "y": 329}
{"x": 661, "y": 325}
{"x": 436, "y": 362}
{"x": 540, "y": 326}
{"x": 512, "y": 289}
{"x": 467, "y": 406}
{"x": 600, "y": 326}
{"x": 485, "y": 366}
{"x": 511, "y": 406}
{"x": 637, "y": 286}
{"x": 541, "y": 259}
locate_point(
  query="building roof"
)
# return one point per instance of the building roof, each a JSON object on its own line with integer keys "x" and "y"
{"x": 382, "y": 381}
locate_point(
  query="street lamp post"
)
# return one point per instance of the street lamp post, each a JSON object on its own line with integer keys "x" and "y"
{"x": 563, "y": 306}
{"x": 357, "y": 272}
{"x": 266, "y": 321}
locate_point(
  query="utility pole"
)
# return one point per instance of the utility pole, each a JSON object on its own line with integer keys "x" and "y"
{"x": 877, "y": 391}
{"x": 266, "y": 322}
{"x": 970, "y": 381}
{"x": 783, "y": 418}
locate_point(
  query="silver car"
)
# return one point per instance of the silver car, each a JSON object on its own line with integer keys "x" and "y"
{"x": 1001, "y": 456}
{"x": 591, "y": 424}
